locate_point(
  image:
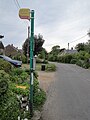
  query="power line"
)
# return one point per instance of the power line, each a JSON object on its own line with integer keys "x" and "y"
{"x": 69, "y": 42}
{"x": 78, "y": 39}
{"x": 17, "y": 4}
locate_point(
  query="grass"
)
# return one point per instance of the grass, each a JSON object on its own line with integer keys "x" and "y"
{"x": 27, "y": 66}
{"x": 48, "y": 67}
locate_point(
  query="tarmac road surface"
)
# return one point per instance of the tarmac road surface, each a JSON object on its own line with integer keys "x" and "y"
{"x": 68, "y": 95}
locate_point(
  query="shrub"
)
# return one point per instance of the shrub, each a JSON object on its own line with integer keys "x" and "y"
{"x": 18, "y": 75}
{"x": 20, "y": 91}
{"x": 67, "y": 58}
{"x": 9, "y": 106}
{"x": 73, "y": 61}
{"x": 50, "y": 67}
{"x": 6, "y": 66}
{"x": 39, "y": 95}
{"x": 16, "y": 71}
{"x": 24, "y": 59}
{"x": 86, "y": 64}
{"x": 39, "y": 98}
{"x": 20, "y": 57}
{"x": 80, "y": 63}
{"x": 3, "y": 82}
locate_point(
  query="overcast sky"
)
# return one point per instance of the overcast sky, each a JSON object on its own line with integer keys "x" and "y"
{"x": 59, "y": 21}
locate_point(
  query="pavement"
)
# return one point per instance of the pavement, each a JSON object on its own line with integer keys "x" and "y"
{"x": 68, "y": 95}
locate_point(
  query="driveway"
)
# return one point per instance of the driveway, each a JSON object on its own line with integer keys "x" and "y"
{"x": 68, "y": 95}
{"x": 45, "y": 79}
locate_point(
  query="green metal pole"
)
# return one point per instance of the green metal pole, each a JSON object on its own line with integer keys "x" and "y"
{"x": 31, "y": 62}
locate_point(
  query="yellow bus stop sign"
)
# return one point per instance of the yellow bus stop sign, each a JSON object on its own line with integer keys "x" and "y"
{"x": 24, "y": 13}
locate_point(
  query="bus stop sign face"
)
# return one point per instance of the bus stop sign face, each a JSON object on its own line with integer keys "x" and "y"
{"x": 24, "y": 13}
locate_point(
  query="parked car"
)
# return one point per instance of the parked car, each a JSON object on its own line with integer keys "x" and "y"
{"x": 16, "y": 63}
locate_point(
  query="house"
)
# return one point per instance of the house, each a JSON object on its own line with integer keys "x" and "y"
{"x": 10, "y": 50}
{"x": 69, "y": 51}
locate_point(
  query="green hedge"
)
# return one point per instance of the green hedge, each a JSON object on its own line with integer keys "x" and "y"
{"x": 4, "y": 65}
{"x": 9, "y": 106}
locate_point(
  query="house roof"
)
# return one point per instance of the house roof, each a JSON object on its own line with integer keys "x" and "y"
{"x": 70, "y": 51}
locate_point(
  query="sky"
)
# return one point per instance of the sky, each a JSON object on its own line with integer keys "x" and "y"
{"x": 59, "y": 21}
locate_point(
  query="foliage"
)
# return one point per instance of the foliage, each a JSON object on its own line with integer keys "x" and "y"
{"x": 3, "y": 82}
{"x": 9, "y": 106}
{"x": 73, "y": 61}
{"x": 39, "y": 95}
{"x": 80, "y": 63}
{"x": 65, "y": 58}
{"x": 13, "y": 84}
{"x": 83, "y": 46}
{"x": 20, "y": 57}
{"x": 55, "y": 50}
{"x": 4, "y": 65}
{"x": 43, "y": 54}
{"x": 38, "y": 40}
{"x": 80, "y": 47}
{"x": 52, "y": 57}
{"x": 20, "y": 91}
{"x": 50, "y": 67}
{"x": 18, "y": 75}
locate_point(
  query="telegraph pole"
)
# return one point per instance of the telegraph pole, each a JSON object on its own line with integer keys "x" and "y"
{"x": 31, "y": 61}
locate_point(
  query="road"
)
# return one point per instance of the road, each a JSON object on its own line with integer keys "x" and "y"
{"x": 69, "y": 94}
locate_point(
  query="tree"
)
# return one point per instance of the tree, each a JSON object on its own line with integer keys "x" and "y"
{"x": 43, "y": 54}
{"x": 55, "y": 49}
{"x": 38, "y": 43}
{"x": 87, "y": 46}
{"x": 53, "y": 55}
{"x": 80, "y": 47}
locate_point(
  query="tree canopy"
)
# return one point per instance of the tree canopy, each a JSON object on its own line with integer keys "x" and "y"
{"x": 38, "y": 43}
{"x": 83, "y": 47}
{"x": 80, "y": 47}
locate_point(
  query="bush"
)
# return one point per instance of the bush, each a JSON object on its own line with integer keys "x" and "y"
{"x": 73, "y": 61}
{"x": 80, "y": 63}
{"x": 68, "y": 58}
{"x": 39, "y": 95}
{"x": 3, "y": 82}
{"x": 18, "y": 75}
{"x": 39, "y": 98}
{"x": 86, "y": 64}
{"x": 9, "y": 106}
{"x": 20, "y": 91}
{"x": 50, "y": 67}
{"x": 6, "y": 66}
{"x": 21, "y": 57}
